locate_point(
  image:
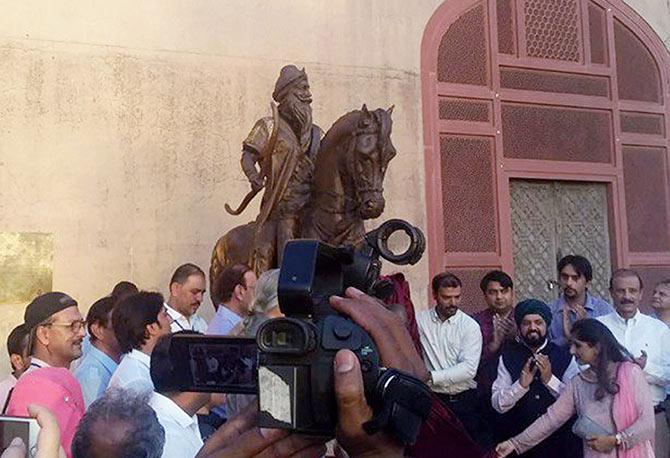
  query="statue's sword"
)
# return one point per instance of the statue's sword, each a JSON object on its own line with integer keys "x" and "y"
{"x": 266, "y": 155}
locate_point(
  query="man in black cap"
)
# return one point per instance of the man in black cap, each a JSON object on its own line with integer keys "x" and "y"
{"x": 532, "y": 371}
{"x": 56, "y": 330}
{"x": 285, "y": 147}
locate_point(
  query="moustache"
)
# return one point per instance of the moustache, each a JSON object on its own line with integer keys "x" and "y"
{"x": 627, "y": 301}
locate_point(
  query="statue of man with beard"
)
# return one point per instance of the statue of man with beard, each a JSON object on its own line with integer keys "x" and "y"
{"x": 284, "y": 147}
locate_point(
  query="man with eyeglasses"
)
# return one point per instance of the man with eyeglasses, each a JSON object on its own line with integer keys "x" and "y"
{"x": 56, "y": 330}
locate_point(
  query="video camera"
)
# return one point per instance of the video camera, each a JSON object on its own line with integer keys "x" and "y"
{"x": 294, "y": 376}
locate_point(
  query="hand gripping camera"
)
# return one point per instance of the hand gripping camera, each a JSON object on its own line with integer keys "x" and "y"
{"x": 295, "y": 365}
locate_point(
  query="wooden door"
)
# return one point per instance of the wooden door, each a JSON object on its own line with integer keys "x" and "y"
{"x": 551, "y": 219}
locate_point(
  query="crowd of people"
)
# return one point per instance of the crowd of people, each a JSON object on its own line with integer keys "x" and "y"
{"x": 577, "y": 377}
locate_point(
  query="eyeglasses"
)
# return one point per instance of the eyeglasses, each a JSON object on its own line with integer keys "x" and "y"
{"x": 75, "y": 326}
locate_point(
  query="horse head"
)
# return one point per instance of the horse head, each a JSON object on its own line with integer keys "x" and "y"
{"x": 370, "y": 151}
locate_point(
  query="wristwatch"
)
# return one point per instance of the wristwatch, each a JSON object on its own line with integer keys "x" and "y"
{"x": 618, "y": 438}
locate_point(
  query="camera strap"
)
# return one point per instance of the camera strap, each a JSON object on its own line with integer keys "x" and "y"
{"x": 401, "y": 404}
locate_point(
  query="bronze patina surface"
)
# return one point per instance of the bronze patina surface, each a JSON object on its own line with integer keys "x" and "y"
{"x": 313, "y": 187}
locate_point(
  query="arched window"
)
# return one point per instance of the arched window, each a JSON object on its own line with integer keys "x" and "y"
{"x": 546, "y": 131}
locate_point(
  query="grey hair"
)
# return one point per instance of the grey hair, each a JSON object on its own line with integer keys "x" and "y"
{"x": 266, "y": 291}
{"x": 145, "y": 436}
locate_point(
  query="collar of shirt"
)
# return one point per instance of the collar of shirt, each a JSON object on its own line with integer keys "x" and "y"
{"x": 546, "y": 342}
{"x": 484, "y": 315}
{"x": 625, "y": 322}
{"x": 588, "y": 304}
{"x": 451, "y": 320}
{"x": 228, "y": 315}
{"x": 178, "y": 318}
{"x": 38, "y": 363}
{"x": 165, "y": 406}
{"x": 35, "y": 363}
{"x": 104, "y": 359}
{"x": 140, "y": 356}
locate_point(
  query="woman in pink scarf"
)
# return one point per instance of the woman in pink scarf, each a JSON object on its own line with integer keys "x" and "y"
{"x": 611, "y": 399}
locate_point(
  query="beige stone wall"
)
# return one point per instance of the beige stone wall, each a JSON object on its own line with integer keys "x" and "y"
{"x": 121, "y": 122}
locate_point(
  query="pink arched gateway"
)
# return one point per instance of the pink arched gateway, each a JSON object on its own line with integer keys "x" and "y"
{"x": 546, "y": 132}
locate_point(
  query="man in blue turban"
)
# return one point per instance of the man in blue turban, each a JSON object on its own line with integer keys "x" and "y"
{"x": 532, "y": 307}
{"x": 532, "y": 371}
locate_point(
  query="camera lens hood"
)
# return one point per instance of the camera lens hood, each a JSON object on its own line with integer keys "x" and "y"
{"x": 379, "y": 241}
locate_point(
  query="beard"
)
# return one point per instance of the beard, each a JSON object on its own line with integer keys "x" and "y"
{"x": 533, "y": 339}
{"x": 299, "y": 116}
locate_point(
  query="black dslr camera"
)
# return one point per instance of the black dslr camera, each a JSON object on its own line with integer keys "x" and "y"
{"x": 293, "y": 371}
{"x": 295, "y": 366}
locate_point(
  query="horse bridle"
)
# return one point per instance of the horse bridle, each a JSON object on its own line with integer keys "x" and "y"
{"x": 380, "y": 146}
{"x": 353, "y": 203}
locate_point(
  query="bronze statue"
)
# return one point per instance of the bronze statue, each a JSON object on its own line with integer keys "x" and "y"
{"x": 313, "y": 188}
{"x": 349, "y": 177}
{"x": 285, "y": 148}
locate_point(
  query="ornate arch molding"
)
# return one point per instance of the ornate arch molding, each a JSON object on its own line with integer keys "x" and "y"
{"x": 573, "y": 90}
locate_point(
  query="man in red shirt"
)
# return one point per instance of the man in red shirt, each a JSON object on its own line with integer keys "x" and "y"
{"x": 497, "y": 325}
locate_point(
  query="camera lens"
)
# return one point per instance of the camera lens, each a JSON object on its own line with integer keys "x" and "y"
{"x": 414, "y": 241}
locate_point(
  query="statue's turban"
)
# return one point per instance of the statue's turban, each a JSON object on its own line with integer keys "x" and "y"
{"x": 288, "y": 75}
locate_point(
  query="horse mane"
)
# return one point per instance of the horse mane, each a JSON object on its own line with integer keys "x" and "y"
{"x": 345, "y": 125}
{"x": 340, "y": 129}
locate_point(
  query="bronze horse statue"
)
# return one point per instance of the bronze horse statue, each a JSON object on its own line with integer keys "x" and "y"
{"x": 347, "y": 189}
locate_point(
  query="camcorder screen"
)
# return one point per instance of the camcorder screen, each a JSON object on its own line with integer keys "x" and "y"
{"x": 215, "y": 364}
{"x": 11, "y": 428}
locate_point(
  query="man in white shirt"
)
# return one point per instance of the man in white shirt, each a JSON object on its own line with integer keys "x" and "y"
{"x": 187, "y": 287}
{"x": 452, "y": 345}
{"x": 236, "y": 287}
{"x": 532, "y": 371}
{"x": 647, "y": 339}
{"x": 661, "y": 304}
{"x": 176, "y": 411}
{"x": 660, "y": 301}
{"x": 138, "y": 322}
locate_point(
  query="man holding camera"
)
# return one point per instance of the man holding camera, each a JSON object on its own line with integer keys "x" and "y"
{"x": 531, "y": 373}
{"x": 439, "y": 436}
{"x": 241, "y": 437}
